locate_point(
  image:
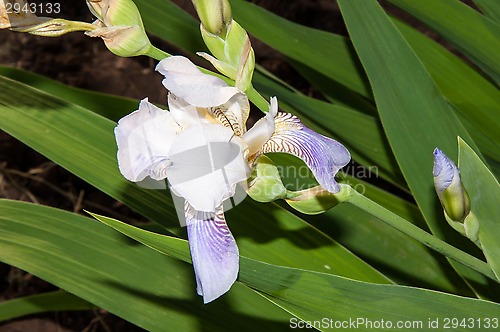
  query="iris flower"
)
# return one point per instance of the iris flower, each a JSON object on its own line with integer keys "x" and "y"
{"x": 181, "y": 144}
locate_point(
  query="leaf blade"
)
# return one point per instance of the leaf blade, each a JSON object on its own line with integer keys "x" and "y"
{"x": 52, "y": 301}
{"x": 441, "y": 16}
{"x": 405, "y": 106}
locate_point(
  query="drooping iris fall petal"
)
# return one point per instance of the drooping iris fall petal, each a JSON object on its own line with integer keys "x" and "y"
{"x": 214, "y": 252}
{"x": 323, "y": 155}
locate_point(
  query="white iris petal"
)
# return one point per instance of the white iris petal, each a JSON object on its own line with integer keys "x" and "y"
{"x": 184, "y": 80}
{"x": 207, "y": 163}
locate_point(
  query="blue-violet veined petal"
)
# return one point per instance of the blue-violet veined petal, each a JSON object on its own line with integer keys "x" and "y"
{"x": 323, "y": 155}
{"x": 214, "y": 252}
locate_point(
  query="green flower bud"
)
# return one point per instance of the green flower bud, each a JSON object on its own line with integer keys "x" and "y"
{"x": 125, "y": 41}
{"x": 214, "y": 15}
{"x": 26, "y": 21}
{"x": 119, "y": 24}
{"x": 317, "y": 200}
{"x": 265, "y": 183}
{"x": 233, "y": 55}
{"x": 116, "y": 12}
{"x": 47, "y": 27}
{"x": 9, "y": 18}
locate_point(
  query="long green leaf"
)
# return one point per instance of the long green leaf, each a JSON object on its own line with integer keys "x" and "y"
{"x": 415, "y": 116}
{"x": 479, "y": 39}
{"x": 99, "y": 265}
{"x": 166, "y": 20}
{"x": 53, "y": 301}
{"x": 476, "y": 100}
{"x": 312, "y": 296}
{"x": 490, "y": 8}
{"x": 100, "y": 103}
{"x": 329, "y": 54}
{"x": 75, "y": 138}
{"x": 334, "y": 92}
{"x": 484, "y": 192}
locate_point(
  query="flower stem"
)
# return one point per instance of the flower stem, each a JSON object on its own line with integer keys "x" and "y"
{"x": 257, "y": 99}
{"x": 157, "y": 54}
{"x": 420, "y": 235}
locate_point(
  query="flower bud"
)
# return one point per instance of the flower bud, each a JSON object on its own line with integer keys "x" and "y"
{"x": 265, "y": 183}
{"x": 26, "y": 21}
{"x": 449, "y": 187}
{"x": 47, "y": 27}
{"x": 317, "y": 200}
{"x": 214, "y": 15}
{"x": 233, "y": 55}
{"x": 9, "y": 18}
{"x": 120, "y": 26}
{"x": 125, "y": 41}
{"x": 116, "y": 12}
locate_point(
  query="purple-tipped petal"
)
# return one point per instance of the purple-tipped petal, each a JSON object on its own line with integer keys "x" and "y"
{"x": 323, "y": 155}
{"x": 449, "y": 188}
{"x": 444, "y": 171}
{"x": 214, "y": 252}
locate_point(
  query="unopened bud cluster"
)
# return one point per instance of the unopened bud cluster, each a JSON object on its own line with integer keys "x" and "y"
{"x": 118, "y": 23}
{"x": 232, "y": 52}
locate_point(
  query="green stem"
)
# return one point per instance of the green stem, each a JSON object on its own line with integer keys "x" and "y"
{"x": 420, "y": 235}
{"x": 157, "y": 54}
{"x": 257, "y": 99}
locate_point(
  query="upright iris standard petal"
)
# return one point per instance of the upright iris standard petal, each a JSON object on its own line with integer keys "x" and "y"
{"x": 449, "y": 188}
{"x": 186, "y": 81}
{"x": 262, "y": 130}
{"x": 214, "y": 252}
{"x": 144, "y": 138}
{"x": 209, "y": 95}
{"x": 323, "y": 155}
{"x": 185, "y": 114}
